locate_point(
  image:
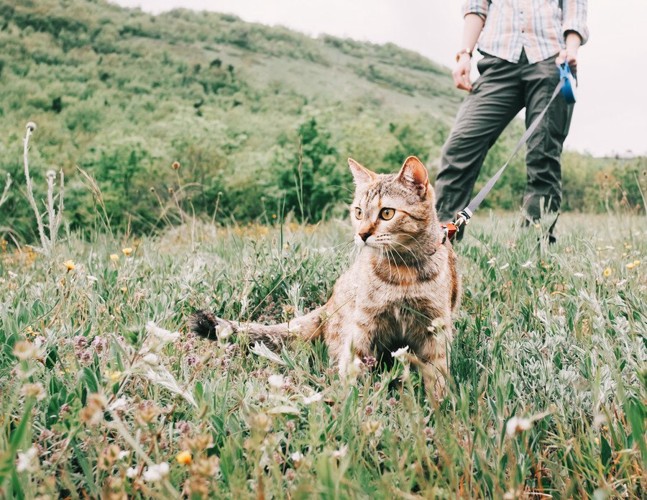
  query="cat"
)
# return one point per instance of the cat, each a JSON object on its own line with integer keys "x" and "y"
{"x": 400, "y": 291}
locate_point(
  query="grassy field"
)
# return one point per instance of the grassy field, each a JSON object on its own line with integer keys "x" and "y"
{"x": 101, "y": 398}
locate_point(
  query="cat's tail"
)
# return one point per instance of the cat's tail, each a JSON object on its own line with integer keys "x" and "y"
{"x": 307, "y": 327}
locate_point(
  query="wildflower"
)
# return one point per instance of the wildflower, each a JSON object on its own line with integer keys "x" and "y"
{"x": 373, "y": 427}
{"x": 146, "y": 413}
{"x": 31, "y": 126}
{"x": 109, "y": 457}
{"x": 290, "y": 475}
{"x": 119, "y": 404}
{"x": 99, "y": 343}
{"x": 25, "y": 350}
{"x": 276, "y": 381}
{"x": 341, "y": 452}
{"x": 127, "y": 251}
{"x": 113, "y": 376}
{"x": 633, "y": 264}
{"x": 69, "y": 265}
{"x": 34, "y": 391}
{"x": 607, "y": 272}
{"x": 175, "y": 165}
{"x": 131, "y": 472}
{"x": 261, "y": 422}
{"x": 92, "y": 414}
{"x": 517, "y": 425}
{"x": 80, "y": 342}
{"x": 183, "y": 427}
{"x": 316, "y": 397}
{"x": 401, "y": 354}
{"x": 27, "y": 461}
{"x": 527, "y": 264}
{"x": 156, "y": 472}
{"x": 184, "y": 458}
{"x": 297, "y": 458}
{"x": 114, "y": 257}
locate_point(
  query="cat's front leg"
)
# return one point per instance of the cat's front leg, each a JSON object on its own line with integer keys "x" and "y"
{"x": 435, "y": 355}
{"x": 354, "y": 345}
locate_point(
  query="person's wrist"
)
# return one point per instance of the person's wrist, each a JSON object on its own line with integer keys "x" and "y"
{"x": 464, "y": 53}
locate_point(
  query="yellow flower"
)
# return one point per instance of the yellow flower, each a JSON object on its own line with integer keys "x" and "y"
{"x": 113, "y": 376}
{"x": 607, "y": 272}
{"x": 114, "y": 257}
{"x": 184, "y": 458}
{"x": 124, "y": 289}
{"x": 127, "y": 251}
{"x": 630, "y": 266}
{"x": 69, "y": 265}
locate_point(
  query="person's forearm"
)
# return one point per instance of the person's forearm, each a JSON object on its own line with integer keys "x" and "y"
{"x": 573, "y": 41}
{"x": 472, "y": 27}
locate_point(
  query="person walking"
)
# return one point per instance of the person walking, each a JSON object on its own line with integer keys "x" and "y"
{"x": 522, "y": 42}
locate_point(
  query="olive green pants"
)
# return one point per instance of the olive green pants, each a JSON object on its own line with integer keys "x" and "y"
{"x": 502, "y": 90}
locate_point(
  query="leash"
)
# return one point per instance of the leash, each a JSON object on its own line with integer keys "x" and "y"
{"x": 566, "y": 86}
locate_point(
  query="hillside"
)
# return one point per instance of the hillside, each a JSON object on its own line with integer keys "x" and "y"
{"x": 249, "y": 111}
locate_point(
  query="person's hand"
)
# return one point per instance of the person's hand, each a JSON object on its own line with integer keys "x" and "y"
{"x": 568, "y": 55}
{"x": 461, "y": 73}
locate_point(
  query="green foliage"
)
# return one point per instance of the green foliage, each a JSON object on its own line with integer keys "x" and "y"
{"x": 261, "y": 118}
{"x": 551, "y": 336}
{"x": 311, "y": 180}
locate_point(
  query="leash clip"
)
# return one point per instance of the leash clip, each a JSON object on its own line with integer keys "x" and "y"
{"x": 462, "y": 219}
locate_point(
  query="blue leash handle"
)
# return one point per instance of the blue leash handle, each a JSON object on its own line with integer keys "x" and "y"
{"x": 568, "y": 89}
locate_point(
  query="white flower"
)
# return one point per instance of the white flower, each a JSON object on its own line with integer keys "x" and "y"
{"x": 341, "y": 452}
{"x": 578, "y": 275}
{"x": 517, "y": 425}
{"x": 276, "y": 381}
{"x": 118, "y": 405}
{"x": 401, "y": 354}
{"x": 131, "y": 472}
{"x": 297, "y": 458}
{"x": 155, "y": 473}
{"x": 123, "y": 454}
{"x": 317, "y": 396}
{"x": 27, "y": 461}
{"x": 492, "y": 261}
{"x": 527, "y": 264}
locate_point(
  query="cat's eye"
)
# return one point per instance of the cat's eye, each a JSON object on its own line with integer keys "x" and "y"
{"x": 358, "y": 213}
{"x": 387, "y": 213}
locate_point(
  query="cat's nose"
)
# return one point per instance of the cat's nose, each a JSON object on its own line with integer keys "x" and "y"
{"x": 364, "y": 236}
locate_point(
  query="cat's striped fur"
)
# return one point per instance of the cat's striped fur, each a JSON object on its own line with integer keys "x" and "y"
{"x": 400, "y": 291}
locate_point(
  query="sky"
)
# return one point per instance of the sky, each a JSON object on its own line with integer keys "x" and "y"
{"x": 610, "y": 116}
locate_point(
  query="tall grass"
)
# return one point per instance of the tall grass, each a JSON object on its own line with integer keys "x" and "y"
{"x": 547, "y": 396}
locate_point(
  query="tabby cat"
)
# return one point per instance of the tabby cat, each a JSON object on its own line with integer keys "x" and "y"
{"x": 400, "y": 291}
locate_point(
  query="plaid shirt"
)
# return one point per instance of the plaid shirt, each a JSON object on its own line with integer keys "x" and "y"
{"x": 536, "y": 26}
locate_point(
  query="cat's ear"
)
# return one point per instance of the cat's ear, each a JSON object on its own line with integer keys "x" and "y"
{"x": 361, "y": 175}
{"x": 414, "y": 175}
